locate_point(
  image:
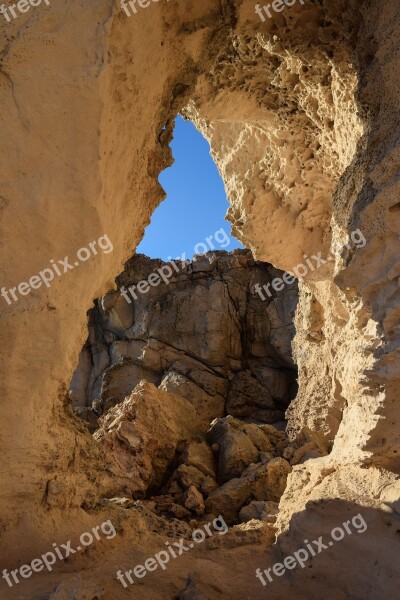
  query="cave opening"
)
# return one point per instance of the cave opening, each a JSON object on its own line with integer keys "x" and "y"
{"x": 196, "y": 348}
{"x": 300, "y": 112}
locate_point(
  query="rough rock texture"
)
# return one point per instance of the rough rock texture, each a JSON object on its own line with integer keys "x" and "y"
{"x": 156, "y": 449}
{"x": 143, "y": 435}
{"x": 206, "y": 336}
{"x": 302, "y": 112}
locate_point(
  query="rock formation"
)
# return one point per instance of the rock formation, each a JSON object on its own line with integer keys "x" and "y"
{"x": 162, "y": 378}
{"x": 301, "y": 111}
{"x": 205, "y": 335}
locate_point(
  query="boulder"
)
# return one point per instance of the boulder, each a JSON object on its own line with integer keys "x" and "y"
{"x": 259, "y": 510}
{"x": 236, "y": 452}
{"x": 228, "y": 499}
{"x": 187, "y": 475}
{"x": 207, "y": 406}
{"x": 199, "y": 455}
{"x": 257, "y": 434}
{"x": 187, "y": 337}
{"x": 194, "y": 500}
{"x": 268, "y": 480}
{"x": 276, "y": 381}
{"x": 207, "y": 486}
{"x": 142, "y": 435}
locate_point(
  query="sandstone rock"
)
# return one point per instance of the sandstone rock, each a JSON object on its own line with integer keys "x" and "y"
{"x": 261, "y": 511}
{"x": 187, "y": 475}
{"x": 274, "y": 380}
{"x": 194, "y": 500}
{"x": 89, "y": 416}
{"x": 120, "y": 380}
{"x": 165, "y": 505}
{"x": 301, "y": 113}
{"x": 141, "y": 435}
{"x": 257, "y": 434}
{"x": 265, "y": 457}
{"x": 253, "y": 532}
{"x": 174, "y": 489}
{"x": 192, "y": 591}
{"x": 219, "y": 427}
{"x": 164, "y": 338}
{"x": 229, "y": 498}
{"x": 208, "y": 485}
{"x": 269, "y": 481}
{"x": 76, "y": 588}
{"x": 258, "y": 437}
{"x": 247, "y": 396}
{"x": 236, "y": 452}
{"x": 199, "y": 455}
{"x": 309, "y": 450}
{"x": 117, "y": 314}
{"x": 278, "y": 438}
{"x": 207, "y": 406}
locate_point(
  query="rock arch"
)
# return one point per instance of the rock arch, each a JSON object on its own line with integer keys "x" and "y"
{"x": 302, "y": 115}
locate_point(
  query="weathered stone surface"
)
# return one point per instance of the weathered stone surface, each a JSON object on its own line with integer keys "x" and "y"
{"x": 207, "y": 486}
{"x": 207, "y": 406}
{"x": 199, "y": 455}
{"x": 236, "y": 452}
{"x": 185, "y": 337}
{"x": 229, "y": 498}
{"x": 142, "y": 435}
{"x": 187, "y": 475}
{"x": 220, "y": 427}
{"x": 301, "y": 111}
{"x": 76, "y": 588}
{"x": 194, "y": 500}
{"x": 192, "y": 590}
{"x": 269, "y": 480}
{"x": 259, "y": 510}
{"x": 247, "y": 395}
{"x": 251, "y": 533}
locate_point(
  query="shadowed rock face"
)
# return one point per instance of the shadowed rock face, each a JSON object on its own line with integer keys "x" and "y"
{"x": 205, "y": 334}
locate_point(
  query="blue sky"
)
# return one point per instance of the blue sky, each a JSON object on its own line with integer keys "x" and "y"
{"x": 195, "y": 206}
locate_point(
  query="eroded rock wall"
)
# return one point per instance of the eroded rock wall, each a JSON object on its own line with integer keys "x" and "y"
{"x": 88, "y": 96}
{"x": 204, "y": 333}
